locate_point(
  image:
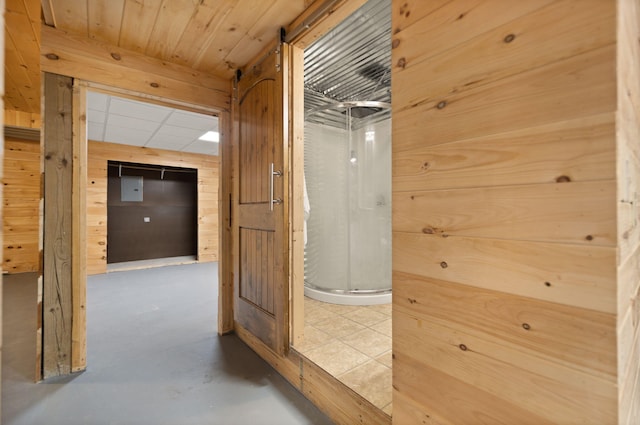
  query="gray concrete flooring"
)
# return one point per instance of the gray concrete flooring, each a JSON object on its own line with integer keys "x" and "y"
{"x": 153, "y": 358}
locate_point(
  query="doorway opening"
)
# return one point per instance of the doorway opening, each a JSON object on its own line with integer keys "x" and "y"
{"x": 152, "y": 213}
{"x": 347, "y": 185}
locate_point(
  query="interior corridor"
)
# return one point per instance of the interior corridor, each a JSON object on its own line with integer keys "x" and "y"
{"x": 153, "y": 358}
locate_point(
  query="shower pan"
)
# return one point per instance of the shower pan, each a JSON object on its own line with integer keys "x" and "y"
{"x": 348, "y": 210}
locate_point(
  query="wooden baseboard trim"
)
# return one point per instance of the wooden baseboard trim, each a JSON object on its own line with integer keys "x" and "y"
{"x": 343, "y": 405}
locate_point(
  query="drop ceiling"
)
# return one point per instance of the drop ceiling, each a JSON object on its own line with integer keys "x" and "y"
{"x": 116, "y": 120}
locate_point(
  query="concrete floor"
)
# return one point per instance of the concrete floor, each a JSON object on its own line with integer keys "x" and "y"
{"x": 153, "y": 358}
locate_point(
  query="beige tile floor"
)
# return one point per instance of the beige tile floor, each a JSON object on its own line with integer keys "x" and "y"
{"x": 353, "y": 343}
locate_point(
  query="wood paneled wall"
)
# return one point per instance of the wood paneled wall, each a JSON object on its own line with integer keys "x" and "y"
{"x": 21, "y": 119}
{"x": 628, "y": 166}
{"x": 21, "y": 206}
{"x": 100, "y": 153}
{"x": 504, "y": 212}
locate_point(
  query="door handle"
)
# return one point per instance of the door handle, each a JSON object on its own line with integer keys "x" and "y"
{"x": 272, "y": 174}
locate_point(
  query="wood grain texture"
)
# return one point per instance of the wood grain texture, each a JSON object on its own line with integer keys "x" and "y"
{"x": 102, "y": 63}
{"x": 58, "y": 166}
{"x": 546, "y": 271}
{"x": 22, "y": 56}
{"x": 2, "y": 25}
{"x": 22, "y": 119}
{"x": 571, "y": 344}
{"x": 261, "y": 230}
{"x": 587, "y": 80}
{"x": 582, "y": 213}
{"x": 79, "y": 230}
{"x": 505, "y": 212}
{"x": 21, "y": 206}
{"x": 577, "y": 150}
{"x": 225, "y": 203}
{"x": 517, "y": 45}
{"x": 208, "y": 175}
{"x": 296, "y": 191}
{"x": 628, "y": 211}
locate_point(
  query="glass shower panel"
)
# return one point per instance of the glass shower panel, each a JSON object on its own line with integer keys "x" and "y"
{"x": 348, "y": 182}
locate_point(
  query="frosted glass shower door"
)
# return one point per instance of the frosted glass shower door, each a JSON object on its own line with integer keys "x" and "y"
{"x": 348, "y": 178}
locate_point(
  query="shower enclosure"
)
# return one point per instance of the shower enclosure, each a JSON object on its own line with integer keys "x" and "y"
{"x": 348, "y": 210}
{"x": 347, "y": 160}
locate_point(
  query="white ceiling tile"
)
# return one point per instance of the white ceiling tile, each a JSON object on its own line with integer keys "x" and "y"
{"x": 193, "y": 120}
{"x": 97, "y": 101}
{"x": 117, "y": 120}
{"x": 189, "y": 134}
{"x": 143, "y": 111}
{"x": 95, "y": 131}
{"x": 127, "y": 136}
{"x": 202, "y": 147}
{"x": 96, "y": 116}
{"x": 135, "y": 123}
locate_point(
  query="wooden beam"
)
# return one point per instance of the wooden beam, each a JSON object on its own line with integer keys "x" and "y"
{"x": 57, "y": 308}
{"x": 79, "y": 230}
{"x": 97, "y": 62}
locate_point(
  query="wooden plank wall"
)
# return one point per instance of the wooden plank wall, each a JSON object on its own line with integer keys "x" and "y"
{"x": 504, "y": 212}
{"x": 21, "y": 204}
{"x": 628, "y": 168}
{"x": 100, "y": 153}
{"x": 21, "y": 119}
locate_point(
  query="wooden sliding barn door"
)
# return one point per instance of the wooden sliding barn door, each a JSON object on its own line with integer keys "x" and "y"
{"x": 261, "y": 288}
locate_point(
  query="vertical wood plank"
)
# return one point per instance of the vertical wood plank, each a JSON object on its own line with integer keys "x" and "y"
{"x": 1, "y": 168}
{"x": 225, "y": 242}
{"x": 628, "y": 211}
{"x": 79, "y": 230}
{"x": 296, "y": 190}
{"x": 58, "y": 167}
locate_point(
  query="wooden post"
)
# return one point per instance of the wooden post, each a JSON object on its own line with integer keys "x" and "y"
{"x": 57, "y": 308}
{"x": 79, "y": 229}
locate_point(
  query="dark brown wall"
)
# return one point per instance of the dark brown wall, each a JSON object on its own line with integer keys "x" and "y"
{"x": 171, "y": 205}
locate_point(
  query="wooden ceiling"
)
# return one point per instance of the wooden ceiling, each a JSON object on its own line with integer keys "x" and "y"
{"x": 212, "y": 36}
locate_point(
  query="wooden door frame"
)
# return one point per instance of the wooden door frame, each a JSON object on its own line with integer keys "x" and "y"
{"x": 77, "y": 285}
{"x": 338, "y": 13}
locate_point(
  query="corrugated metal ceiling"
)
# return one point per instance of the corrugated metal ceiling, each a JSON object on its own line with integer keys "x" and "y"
{"x": 353, "y": 61}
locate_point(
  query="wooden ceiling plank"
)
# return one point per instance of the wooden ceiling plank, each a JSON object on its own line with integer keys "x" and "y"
{"x": 23, "y": 50}
{"x": 138, "y": 20}
{"x": 33, "y": 11}
{"x": 13, "y": 99}
{"x": 201, "y": 30}
{"x": 113, "y": 66}
{"x": 105, "y": 20}
{"x": 264, "y": 31}
{"x": 172, "y": 19}
{"x": 71, "y": 15}
{"x": 236, "y": 26}
{"x": 21, "y": 63}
